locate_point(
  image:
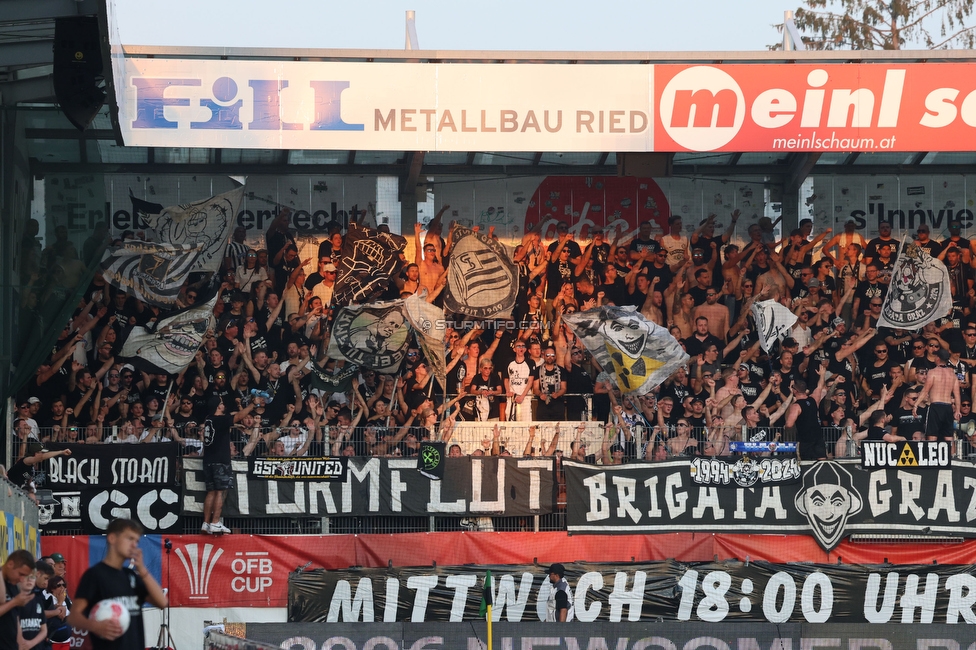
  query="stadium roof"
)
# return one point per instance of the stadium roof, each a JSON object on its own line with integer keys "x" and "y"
{"x": 53, "y": 145}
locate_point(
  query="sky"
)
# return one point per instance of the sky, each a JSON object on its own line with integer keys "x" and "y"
{"x": 603, "y": 25}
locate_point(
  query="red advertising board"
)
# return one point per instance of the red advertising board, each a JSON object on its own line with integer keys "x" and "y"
{"x": 819, "y": 108}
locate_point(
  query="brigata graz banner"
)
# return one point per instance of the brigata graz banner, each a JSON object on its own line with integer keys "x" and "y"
{"x": 832, "y": 500}
{"x": 98, "y": 483}
{"x": 389, "y": 487}
{"x": 657, "y": 591}
{"x": 600, "y": 636}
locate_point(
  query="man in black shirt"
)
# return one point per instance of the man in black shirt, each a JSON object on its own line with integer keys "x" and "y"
{"x": 131, "y": 586}
{"x": 217, "y": 474}
{"x": 19, "y": 564}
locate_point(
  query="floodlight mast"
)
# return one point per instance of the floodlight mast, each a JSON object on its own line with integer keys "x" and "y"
{"x": 411, "y": 40}
{"x": 791, "y": 35}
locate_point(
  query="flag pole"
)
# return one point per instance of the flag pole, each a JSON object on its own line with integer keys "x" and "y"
{"x": 489, "y": 626}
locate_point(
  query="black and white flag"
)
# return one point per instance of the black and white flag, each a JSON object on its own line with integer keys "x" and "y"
{"x": 150, "y": 272}
{"x": 170, "y": 345}
{"x": 638, "y": 353}
{"x": 427, "y": 322}
{"x": 373, "y": 336}
{"x": 482, "y": 280}
{"x": 919, "y": 293}
{"x": 369, "y": 259}
{"x": 207, "y": 223}
{"x": 773, "y": 322}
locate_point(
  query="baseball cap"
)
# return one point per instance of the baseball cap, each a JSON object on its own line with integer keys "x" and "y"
{"x": 329, "y": 267}
{"x": 57, "y": 557}
{"x": 813, "y": 283}
{"x": 558, "y": 569}
{"x": 838, "y": 321}
{"x": 33, "y": 400}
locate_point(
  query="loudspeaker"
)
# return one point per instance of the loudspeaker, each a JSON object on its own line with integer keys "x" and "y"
{"x": 79, "y": 82}
{"x": 658, "y": 165}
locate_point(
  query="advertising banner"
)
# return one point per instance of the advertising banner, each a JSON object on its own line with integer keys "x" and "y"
{"x": 98, "y": 483}
{"x": 831, "y": 500}
{"x": 600, "y": 636}
{"x": 479, "y": 487}
{"x": 657, "y": 591}
{"x": 383, "y": 106}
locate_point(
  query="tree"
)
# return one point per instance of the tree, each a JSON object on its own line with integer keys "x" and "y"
{"x": 885, "y": 24}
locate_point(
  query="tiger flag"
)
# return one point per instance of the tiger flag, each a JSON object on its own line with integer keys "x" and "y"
{"x": 773, "y": 322}
{"x": 920, "y": 291}
{"x": 169, "y": 345}
{"x": 487, "y": 600}
{"x": 153, "y": 273}
{"x": 427, "y": 322}
{"x": 639, "y": 353}
{"x": 482, "y": 280}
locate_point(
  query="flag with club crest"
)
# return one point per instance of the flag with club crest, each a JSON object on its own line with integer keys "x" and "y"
{"x": 150, "y": 272}
{"x": 207, "y": 223}
{"x": 373, "y": 336}
{"x": 482, "y": 280}
{"x": 637, "y": 352}
{"x": 427, "y": 322}
{"x": 773, "y": 322}
{"x": 170, "y": 344}
{"x": 920, "y": 291}
{"x": 369, "y": 258}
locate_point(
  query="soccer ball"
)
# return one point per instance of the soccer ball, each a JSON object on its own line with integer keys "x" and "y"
{"x": 110, "y": 609}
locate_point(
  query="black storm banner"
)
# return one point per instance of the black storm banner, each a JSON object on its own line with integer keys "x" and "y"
{"x": 601, "y": 636}
{"x": 712, "y": 592}
{"x": 480, "y": 487}
{"x": 832, "y": 500}
{"x": 98, "y": 483}
{"x": 91, "y": 466}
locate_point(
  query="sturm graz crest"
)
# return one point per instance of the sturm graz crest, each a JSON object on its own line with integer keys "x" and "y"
{"x": 917, "y": 294}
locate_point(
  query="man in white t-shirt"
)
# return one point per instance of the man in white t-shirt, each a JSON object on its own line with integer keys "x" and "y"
{"x": 518, "y": 385}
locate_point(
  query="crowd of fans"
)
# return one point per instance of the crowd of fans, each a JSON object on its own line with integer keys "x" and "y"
{"x": 275, "y": 312}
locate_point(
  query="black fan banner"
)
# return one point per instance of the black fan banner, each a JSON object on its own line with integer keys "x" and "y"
{"x": 601, "y": 636}
{"x": 830, "y": 501}
{"x": 701, "y": 592}
{"x": 477, "y": 487}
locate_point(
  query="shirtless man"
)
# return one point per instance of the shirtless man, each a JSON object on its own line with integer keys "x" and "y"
{"x": 941, "y": 393}
{"x": 428, "y": 259}
{"x": 716, "y": 313}
{"x": 653, "y": 303}
{"x": 681, "y": 312}
{"x": 776, "y": 282}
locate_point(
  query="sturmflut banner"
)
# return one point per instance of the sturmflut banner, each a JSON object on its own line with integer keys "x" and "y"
{"x": 700, "y": 592}
{"x": 830, "y": 501}
{"x": 387, "y": 487}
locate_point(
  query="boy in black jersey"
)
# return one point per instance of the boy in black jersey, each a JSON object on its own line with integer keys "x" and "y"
{"x": 18, "y": 565}
{"x": 132, "y": 585}
{"x": 33, "y": 625}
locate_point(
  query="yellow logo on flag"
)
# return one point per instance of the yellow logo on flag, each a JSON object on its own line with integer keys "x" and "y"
{"x": 907, "y": 458}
